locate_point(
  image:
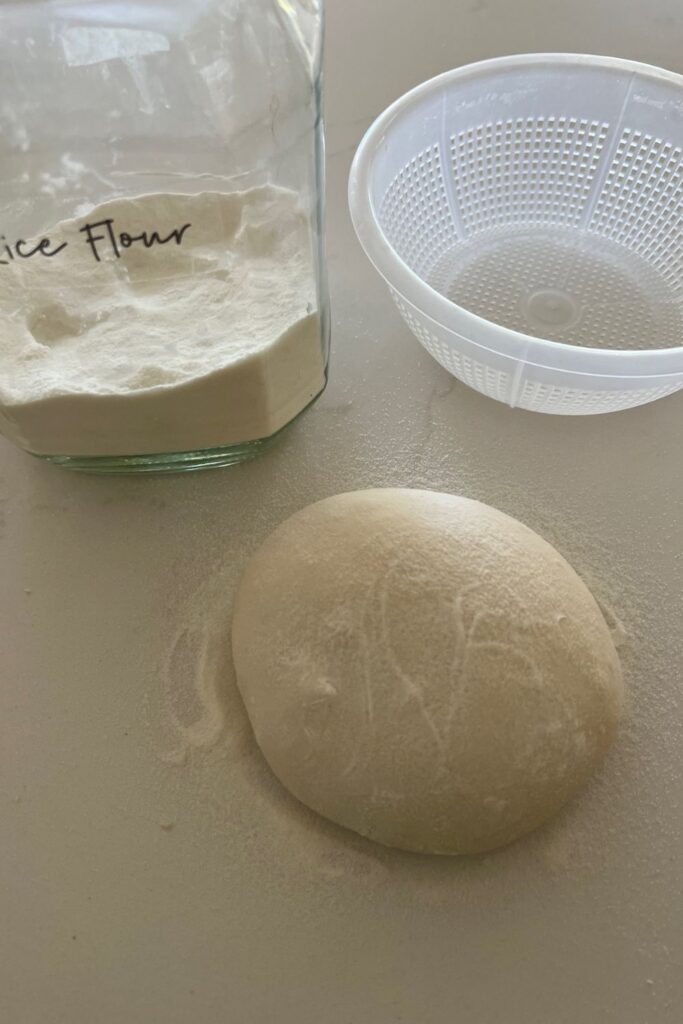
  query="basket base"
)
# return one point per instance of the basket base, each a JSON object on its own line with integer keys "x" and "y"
{"x": 562, "y": 284}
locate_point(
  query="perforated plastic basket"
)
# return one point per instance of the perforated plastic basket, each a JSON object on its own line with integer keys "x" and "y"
{"x": 527, "y": 215}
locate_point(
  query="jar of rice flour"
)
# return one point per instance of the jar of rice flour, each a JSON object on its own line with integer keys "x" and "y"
{"x": 163, "y": 302}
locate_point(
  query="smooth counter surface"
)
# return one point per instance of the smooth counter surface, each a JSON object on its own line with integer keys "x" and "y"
{"x": 151, "y": 869}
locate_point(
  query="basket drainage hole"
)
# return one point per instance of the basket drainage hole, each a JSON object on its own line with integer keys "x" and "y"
{"x": 551, "y": 308}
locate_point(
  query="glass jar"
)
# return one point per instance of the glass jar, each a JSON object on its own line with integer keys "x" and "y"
{"x": 163, "y": 299}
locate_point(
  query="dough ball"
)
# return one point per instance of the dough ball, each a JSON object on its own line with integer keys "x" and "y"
{"x": 423, "y": 669}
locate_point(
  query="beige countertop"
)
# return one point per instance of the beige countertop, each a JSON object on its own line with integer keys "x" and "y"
{"x": 151, "y": 870}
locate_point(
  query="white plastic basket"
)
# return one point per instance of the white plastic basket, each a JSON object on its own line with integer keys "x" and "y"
{"x": 527, "y": 215}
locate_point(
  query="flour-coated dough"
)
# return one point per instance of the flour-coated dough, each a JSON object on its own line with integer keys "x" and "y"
{"x": 423, "y": 669}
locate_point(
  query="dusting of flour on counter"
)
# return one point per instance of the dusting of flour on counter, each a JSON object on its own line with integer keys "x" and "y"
{"x": 166, "y": 323}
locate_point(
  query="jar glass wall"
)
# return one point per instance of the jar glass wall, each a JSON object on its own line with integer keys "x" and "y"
{"x": 163, "y": 299}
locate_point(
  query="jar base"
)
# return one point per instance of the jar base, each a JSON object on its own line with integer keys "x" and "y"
{"x": 177, "y": 462}
{"x": 172, "y": 462}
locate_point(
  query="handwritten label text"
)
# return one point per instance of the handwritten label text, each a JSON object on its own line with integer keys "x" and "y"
{"x": 102, "y": 238}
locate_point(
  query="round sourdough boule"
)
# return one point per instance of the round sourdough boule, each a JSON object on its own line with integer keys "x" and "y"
{"x": 423, "y": 669}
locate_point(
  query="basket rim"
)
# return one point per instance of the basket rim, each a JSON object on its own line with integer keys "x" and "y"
{"x": 399, "y": 276}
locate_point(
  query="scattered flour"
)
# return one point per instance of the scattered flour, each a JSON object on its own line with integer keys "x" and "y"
{"x": 201, "y": 335}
